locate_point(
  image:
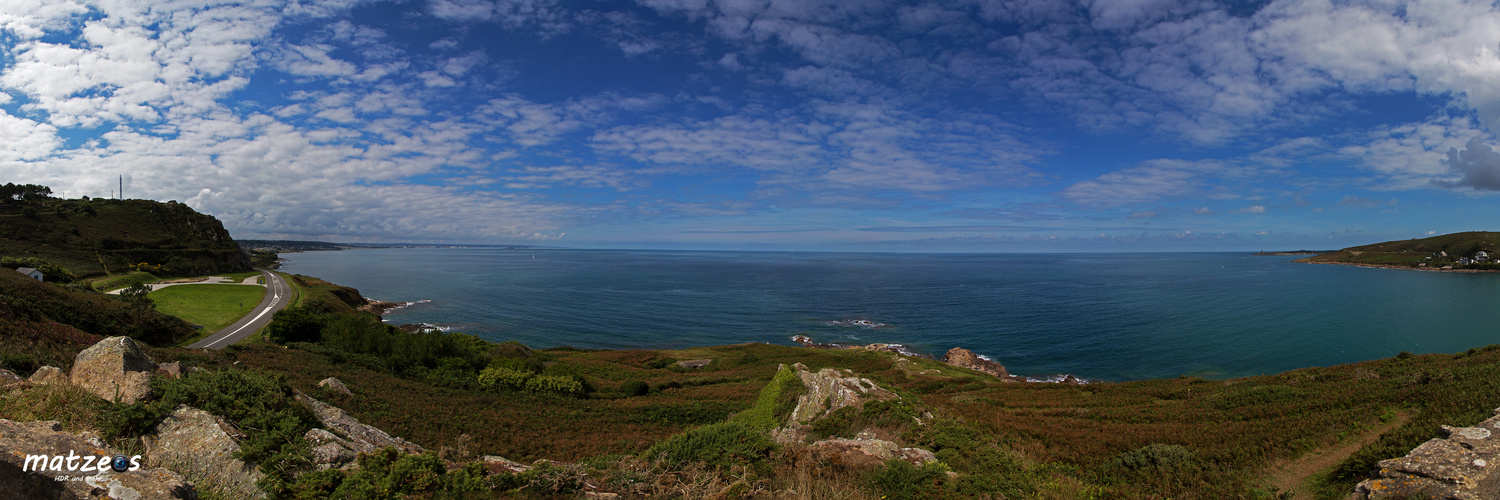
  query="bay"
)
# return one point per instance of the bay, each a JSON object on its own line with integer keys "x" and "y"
{"x": 1099, "y": 316}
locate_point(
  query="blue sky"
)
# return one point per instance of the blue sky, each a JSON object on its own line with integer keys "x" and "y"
{"x": 974, "y": 125}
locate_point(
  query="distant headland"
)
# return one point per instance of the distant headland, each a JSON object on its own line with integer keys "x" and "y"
{"x": 1472, "y": 251}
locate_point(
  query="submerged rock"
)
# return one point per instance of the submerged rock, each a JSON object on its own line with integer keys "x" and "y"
{"x": 114, "y": 369}
{"x": 202, "y": 447}
{"x": 18, "y": 480}
{"x": 1465, "y": 464}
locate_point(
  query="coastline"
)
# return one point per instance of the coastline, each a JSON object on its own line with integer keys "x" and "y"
{"x": 1406, "y": 268}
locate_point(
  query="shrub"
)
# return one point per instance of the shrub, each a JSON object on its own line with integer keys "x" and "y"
{"x": 719, "y": 445}
{"x": 1155, "y": 456}
{"x": 635, "y": 388}
{"x": 555, "y": 384}
{"x": 296, "y": 324}
{"x": 899, "y": 479}
{"x": 494, "y": 377}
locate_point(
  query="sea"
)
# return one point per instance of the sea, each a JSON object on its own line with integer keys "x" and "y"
{"x": 1101, "y": 317}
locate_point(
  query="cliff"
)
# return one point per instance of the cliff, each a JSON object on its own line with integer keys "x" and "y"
{"x": 101, "y": 236}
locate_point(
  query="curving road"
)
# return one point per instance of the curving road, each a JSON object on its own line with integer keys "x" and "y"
{"x": 278, "y": 295}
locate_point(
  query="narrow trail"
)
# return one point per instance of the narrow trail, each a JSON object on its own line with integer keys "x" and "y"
{"x": 1292, "y": 476}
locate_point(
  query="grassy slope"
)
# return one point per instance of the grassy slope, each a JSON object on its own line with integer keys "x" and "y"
{"x": 212, "y": 306}
{"x": 1068, "y": 437}
{"x": 100, "y": 237}
{"x": 1412, "y": 252}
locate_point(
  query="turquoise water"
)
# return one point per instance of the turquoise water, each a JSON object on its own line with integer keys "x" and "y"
{"x": 1098, "y": 316}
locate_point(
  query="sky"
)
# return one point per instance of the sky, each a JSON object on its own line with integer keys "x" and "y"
{"x": 852, "y": 125}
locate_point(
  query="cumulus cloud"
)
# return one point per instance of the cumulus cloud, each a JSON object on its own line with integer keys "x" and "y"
{"x": 1477, "y": 164}
{"x": 1253, "y": 209}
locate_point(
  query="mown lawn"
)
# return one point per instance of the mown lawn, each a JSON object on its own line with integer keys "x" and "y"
{"x": 213, "y": 306}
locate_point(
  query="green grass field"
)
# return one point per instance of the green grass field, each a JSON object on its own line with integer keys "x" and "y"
{"x": 213, "y": 306}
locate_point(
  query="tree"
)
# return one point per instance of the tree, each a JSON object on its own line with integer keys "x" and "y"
{"x": 136, "y": 295}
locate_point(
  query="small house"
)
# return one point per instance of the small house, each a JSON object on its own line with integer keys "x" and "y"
{"x": 31, "y": 273}
{"x": 1481, "y": 256}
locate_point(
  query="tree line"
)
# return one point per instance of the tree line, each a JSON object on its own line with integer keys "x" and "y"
{"x": 11, "y": 194}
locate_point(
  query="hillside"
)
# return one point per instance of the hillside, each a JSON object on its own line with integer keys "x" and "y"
{"x": 639, "y": 423}
{"x": 97, "y": 237}
{"x": 1415, "y": 252}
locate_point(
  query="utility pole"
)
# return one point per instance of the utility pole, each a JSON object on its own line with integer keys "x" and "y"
{"x": 122, "y": 187}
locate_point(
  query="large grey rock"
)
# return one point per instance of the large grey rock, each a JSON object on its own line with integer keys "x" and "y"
{"x": 202, "y": 447}
{"x": 329, "y": 450}
{"x": 104, "y": 369}
{"x": 360, "y": 437}
{"x": 829, "y": 389}
{"x": 869, "y": 452}
{"x": 19, "y": 439}
{"x": 965, "y": 358}
{"x": 49, "y": 375}
{"x": 1463, "y": 465}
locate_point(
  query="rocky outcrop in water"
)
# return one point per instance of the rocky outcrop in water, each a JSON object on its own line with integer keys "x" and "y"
{"x": 202, "y": 447}
{"x": 114, "y": 369}
{"x": 18, "y": 480}
{"x": 1462, "y": 465}
{"x": 964, "y": 358}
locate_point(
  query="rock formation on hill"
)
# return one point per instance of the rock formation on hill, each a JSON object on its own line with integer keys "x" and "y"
{"x": 202, "y": 446}
{"x": 964, "y": 358}
{"x": 829, "y": 390}
{"x": 17, "y": 480}
{"x": 1463, "y": 465}
{"x": 189, "y": 446}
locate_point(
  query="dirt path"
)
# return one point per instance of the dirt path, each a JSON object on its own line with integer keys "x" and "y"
{"x": 1292, "y": 476}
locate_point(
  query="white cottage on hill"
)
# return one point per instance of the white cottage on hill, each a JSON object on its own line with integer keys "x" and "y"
{"x": 31, "y": 273}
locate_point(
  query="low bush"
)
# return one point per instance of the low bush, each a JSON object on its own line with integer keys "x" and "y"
{"x": 721, "y": 445}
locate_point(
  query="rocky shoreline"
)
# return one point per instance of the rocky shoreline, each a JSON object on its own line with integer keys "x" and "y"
{"x": 957, "y": 356}
{"x": 1389, "y": 266}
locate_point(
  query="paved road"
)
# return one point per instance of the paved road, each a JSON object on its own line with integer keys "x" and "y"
{"x": 278, "y": 295}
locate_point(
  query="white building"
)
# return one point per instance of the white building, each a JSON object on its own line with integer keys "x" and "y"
{"x": 1481, "y": 256}
{"x": 31, "y": 273}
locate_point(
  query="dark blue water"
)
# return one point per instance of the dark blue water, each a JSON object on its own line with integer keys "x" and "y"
{"x": 1100, "y": 316}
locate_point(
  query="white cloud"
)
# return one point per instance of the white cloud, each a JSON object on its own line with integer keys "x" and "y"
{"x": 1253, "y": 209}
{"x": 1167, "y": 179}
{"x": 1202, "y": 211}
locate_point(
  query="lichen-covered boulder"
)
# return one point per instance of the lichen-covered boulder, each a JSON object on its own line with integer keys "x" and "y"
{"x": 18, "y": 479}
{"x": 170, "y": 370}
{"x": 869, "y": 452}
{"x": 1464, "y": 464}
{"x": 202, "y": 447}
{"x": 329, "y": 450}
{"x": 360, "y": 437}
{"x": 964, "y": 358}
{"x": 830, "y": 389}
{"x": 335, "y": 385}
{"x": 104, "y": 369}
{"x": 49, "y": 375}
